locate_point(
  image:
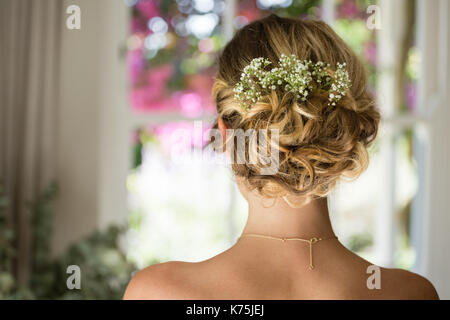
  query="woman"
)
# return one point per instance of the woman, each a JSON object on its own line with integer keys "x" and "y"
{"x": 299, "y": 80}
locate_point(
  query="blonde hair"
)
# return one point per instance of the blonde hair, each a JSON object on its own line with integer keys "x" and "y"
{"x": 318, "y": 143}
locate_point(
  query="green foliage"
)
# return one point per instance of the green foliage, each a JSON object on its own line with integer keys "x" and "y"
{"x": 8, "y": 285}
{"x": 359, "y": 242}
{"x": 137, "y": 154}
{"x": 7, "y": 251}
{"x": 6, "y": 234}
{"x": 299, "y": 8}
{"x": 105, "y": 270}
{"x": 354, "y": 32}
{"x": 42, "y": 215}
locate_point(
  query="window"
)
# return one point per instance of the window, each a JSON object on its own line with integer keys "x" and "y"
{"x": 192, "y": 211}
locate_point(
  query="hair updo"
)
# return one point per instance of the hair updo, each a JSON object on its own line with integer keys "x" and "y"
{"x": 318, "y": 143}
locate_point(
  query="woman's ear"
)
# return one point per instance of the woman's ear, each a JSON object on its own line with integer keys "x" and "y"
{"x": 223, "y": 128}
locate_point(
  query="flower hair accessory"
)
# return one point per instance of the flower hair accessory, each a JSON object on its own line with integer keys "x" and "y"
{"x": 292, "y": 75}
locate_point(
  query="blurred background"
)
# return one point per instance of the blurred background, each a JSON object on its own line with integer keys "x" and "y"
{"x": 88, "y": 114}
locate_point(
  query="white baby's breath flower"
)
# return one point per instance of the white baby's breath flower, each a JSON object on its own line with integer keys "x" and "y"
{"x": 291, "y": 75}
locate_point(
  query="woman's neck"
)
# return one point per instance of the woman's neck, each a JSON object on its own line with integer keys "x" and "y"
{"x": 274, "y": 217}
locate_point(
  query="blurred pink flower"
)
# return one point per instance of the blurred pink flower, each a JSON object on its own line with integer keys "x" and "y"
{"x": 411, "y": 96}
{"x": 136, "y": 65}
{"x": 166, "y": 133}
{"x": 193, "y": 134}
{"x": 249, "y": 10}
{"x": 191, "y": 104}
{"x": 136, "y": 25}
{"x": 157, "y": 77}
{"x": 370, "y": 52}
{"x": 208, "y": 105}
{"x": 201, "y": 84}
{"x": 137, "y": 99}
{"x": 349, "y": 9}
{"x": 250, "y": 13}
{"x": 141, "y": 100}
{"x": 149, "y": 8}
{"x": 160, "y": 74}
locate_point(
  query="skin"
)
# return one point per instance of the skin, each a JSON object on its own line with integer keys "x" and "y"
{"x": 256, "y": 268}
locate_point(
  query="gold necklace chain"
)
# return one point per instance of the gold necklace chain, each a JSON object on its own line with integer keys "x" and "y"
{"x": 310, "y": 241}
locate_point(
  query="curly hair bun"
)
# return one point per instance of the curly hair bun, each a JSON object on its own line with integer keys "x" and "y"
{"x": 318, "y": 143}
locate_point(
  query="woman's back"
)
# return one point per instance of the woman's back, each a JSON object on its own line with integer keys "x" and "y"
{"x": 281, "y": 272}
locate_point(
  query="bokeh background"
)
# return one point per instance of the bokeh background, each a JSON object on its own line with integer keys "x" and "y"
{"x": 88, "y": 120}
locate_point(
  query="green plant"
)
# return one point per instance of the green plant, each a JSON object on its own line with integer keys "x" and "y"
{"x": 360, "y": 241}
{"x": 42, "y": 215}
{"x": 7, "y": 252}
{"x": 105, "y": 270}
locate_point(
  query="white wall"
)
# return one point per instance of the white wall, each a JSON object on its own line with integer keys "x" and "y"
{"x": 434, "y": 87}
{"x": 92, "y": 154}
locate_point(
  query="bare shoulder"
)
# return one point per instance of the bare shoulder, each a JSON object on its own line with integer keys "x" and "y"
{"x": 408, "y": 285}
{"x": 161, "y": 281}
